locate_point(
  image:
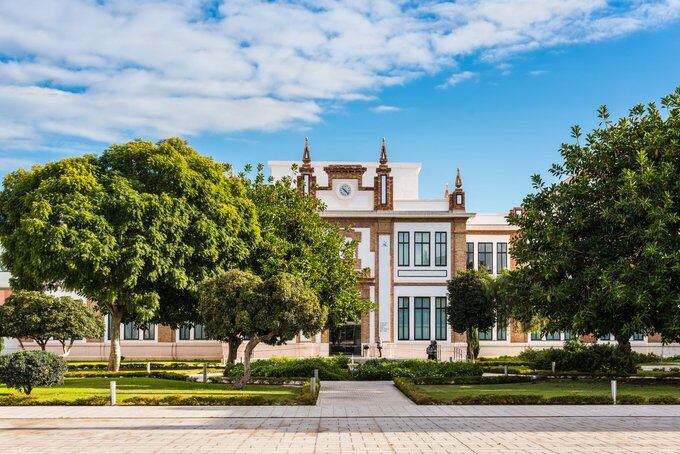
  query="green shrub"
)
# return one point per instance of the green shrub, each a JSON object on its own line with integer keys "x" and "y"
{"x": 141, "y": 366}
{"x": 26, "y": 369}
{"x": 473, "y": 380}
{"x": 664, "y": 400}
{"x": 19, "y": 400}
{"x": 331, "y": 368}
{"x": 123, "y": 374}
{"x": 630, "y": 399}
{"x": 384, "y": 369}
{"x": 598, "y": 358}
{"x": 579, "y": 400}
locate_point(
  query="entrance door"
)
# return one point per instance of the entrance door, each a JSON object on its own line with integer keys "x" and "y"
{"x": 346, "y": 340}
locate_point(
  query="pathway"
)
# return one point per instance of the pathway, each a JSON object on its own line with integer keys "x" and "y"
{"x": 349, "y": 417}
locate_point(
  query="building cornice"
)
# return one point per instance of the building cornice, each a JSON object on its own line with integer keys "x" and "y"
{"x": 396, "y": 214}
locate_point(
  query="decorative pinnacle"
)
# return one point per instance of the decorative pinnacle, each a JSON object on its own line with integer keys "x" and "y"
{"x": 306, "y": 158}
{"x": 446, "y": 190}
{"x": 383, "y": 152}
{"x": 459, "y": 180}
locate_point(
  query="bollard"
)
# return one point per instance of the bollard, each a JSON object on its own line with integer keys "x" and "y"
{"x": 316, "y": 375}
{"x": 312, "y": 385}
{"x": 506, "y": 370}
{"x": 614, "y": 391}
{"x": 112, "y": 385}
{"x": 148, "y": 368}
{"x": 553, "y": 367}
{"x": 205, "y": 373}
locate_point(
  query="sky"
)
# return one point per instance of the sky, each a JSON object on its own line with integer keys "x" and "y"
{"x": 490, "y": 87}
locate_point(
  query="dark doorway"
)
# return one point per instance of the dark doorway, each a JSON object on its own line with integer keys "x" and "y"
{"x": 346, "y": 340}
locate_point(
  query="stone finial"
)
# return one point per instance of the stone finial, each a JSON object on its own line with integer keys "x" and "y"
{"x": 306, "y": 158}
{"x": 459, "y": 180}
{"x": 446, "y": 190}
{"x": 383, "y": 152}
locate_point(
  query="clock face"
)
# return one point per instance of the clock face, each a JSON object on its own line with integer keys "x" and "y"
{"x": 345, "y": 190}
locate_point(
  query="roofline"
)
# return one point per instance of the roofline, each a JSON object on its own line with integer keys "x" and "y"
{"x": 396, "y": 214}
{"x": 399, "y": 165}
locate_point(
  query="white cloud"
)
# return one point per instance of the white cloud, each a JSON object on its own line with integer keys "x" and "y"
{"x": 80, "y": 70}
{"x": 457, "y": 78}
{"x": 383, "y": 108}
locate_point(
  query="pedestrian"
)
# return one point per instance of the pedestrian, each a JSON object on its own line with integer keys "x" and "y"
{"x": 432, "y": 350}
{"x": 378, "y": 345}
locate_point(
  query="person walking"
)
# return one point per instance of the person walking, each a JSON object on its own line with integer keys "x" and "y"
{"x": 432, "y": 350}
{"x": 378, "y": 345}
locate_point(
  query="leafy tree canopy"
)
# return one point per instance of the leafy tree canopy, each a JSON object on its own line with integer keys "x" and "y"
{"x": 40, "y": 317}
{"x": 134, "y": 229}
{"x": 297, "y": 240}
{"x": 599, "y": 250}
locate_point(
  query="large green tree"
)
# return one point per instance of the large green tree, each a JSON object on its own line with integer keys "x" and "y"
{"x": 599, "y": 250}
{"x": 271, "y": 310}
{"x": 471, "y": 306}
{"x": 39, "y": 317}
{"x": 134, "y": 229}
{"x": 296, "y": 239}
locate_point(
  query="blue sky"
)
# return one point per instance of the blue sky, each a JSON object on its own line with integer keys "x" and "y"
{"x": 469, "y": 84}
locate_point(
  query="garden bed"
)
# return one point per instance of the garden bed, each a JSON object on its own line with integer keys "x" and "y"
{"x": 513, "y": 391}
{"x": 135, "y": 390}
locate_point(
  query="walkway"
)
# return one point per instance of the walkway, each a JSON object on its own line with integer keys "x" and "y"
{"x": 349, "y": 417}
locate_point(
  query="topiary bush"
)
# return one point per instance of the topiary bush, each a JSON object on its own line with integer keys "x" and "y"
{"x": 26, "y": 369}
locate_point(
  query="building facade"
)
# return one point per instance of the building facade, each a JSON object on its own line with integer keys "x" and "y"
{"x": 408, "y": 248}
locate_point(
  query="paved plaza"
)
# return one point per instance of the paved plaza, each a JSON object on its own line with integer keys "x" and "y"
{"x": 349, "y": 417}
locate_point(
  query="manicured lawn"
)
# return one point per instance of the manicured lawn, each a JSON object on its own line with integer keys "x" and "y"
{"x": 551, "y": 388}
{"x": 77, "y": 388}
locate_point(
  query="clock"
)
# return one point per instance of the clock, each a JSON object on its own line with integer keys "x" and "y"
{"x": 345, "y": 191}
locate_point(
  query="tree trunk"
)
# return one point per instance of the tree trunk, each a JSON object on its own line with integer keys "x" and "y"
{"x": 114, "y": 354}
{"x": 250, "y": 346}
{"x": 623, "y": 343}
{"x": 234, "y": 343}
{"x": 66, "y": 350}
{"x": 470, "y": 348}
{"x": 21, "y": 343}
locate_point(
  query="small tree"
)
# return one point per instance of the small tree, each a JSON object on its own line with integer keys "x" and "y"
{"x": 39, "y": 317}
{"x": 471, "y": 305}
{"x": 270, "y": 311}
{"x": 220, "y": 302}
{"x": 24, "y": 370}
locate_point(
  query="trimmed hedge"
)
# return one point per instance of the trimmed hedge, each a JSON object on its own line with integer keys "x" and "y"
{"x": 19, "y": 400}
{"x": 473, "y": 380}
{"x": 27, "y": 369}
{"x": 384, "y": 369}
{"x": 596, "y": 358}
{"x": 141, "y": 366}
{"x": 409, "y": 388}
{"x": 126, "y": 374}
{"x": 331, "y": 368}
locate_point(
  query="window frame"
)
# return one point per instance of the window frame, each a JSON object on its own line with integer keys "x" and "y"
{"x": 470, "y": 255}
{"x": 419, "y": 257}
{"x": 501, "y": 257}
{"x": 489, "y": 253}
{"x": 440, "y": 318}
{"x": 403, "y": 246}
{"x": 425, "y": 314}
{"x": 403, "y": 310}
{"x": 443, "y": 245}
{"x": 383, "y": 189}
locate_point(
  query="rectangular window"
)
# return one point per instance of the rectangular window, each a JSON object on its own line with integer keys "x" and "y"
{"x": 553, "y": 336}
{"x": 501, "y": 257}
{"x": 403, "y": 248}
{"x": 199, "y": 332}
{"x": 383, "y": 189}
{"x": 440, "y": 318}
{"x": 485, "y": 256}
{"x": 440, "y": 249}
{"x": 470, "y": 248}
{"x": 307, "y": 183}
{"x": 149, "y": 333}
{"x": 568, "y": 336}
{"x": 130, "y": 331}
{"x": 501, "y": 331}
{"x": 185, "y": 332}
{"x": 486, "y": 335}
{"x": 421, "y": 318}
{"x": 535, "y": 336}
{"x": 402, "y": 314}
{"x": 421, "y": 241}
{"x": 638, "y": 337}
